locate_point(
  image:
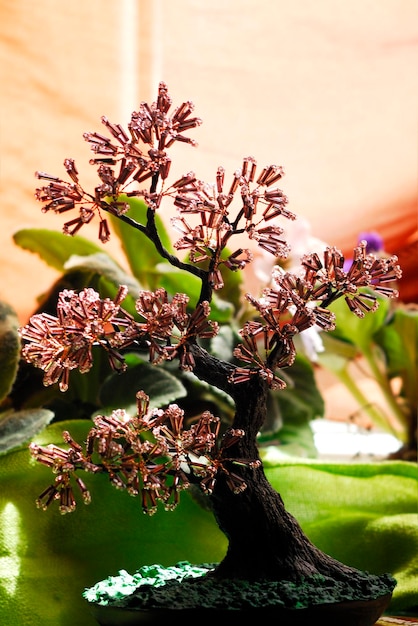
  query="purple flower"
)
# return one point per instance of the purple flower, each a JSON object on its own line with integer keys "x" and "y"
{"x": 374, "y": 242}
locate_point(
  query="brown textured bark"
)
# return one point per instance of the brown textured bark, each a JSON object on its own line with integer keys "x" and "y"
{"x": 264, "y": 540}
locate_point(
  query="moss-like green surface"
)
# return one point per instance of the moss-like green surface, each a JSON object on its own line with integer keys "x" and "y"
{"x": 186, "y": 586}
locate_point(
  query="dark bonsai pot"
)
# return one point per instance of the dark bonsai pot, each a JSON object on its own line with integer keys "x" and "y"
{"x": 290, "y": 604}
{"x": 351, "y": 613}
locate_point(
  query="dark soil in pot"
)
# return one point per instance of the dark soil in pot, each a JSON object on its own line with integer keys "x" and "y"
{"x": 192, "y": 592}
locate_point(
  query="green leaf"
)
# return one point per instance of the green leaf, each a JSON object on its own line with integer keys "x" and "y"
{"x": 201, "y": 396}
{"x": 291, "y": 410}
{"x": 18, "y": 427}
{"x": 337, "y": 357}
{"x": 295, "y": 440}
{"x": 359, "y": 331}
{"x": 337, "y": 353}
{"x": 221, "y": 311}
{"x": 174, "y": 281}
{"x": 9, "y": 349}
{"x": 84, "y": 388}
{"x": 399, "y": 341}
{"x": 222, "y": 345}
{"x": 101, "y": 263}
{"x": 54, "y": 247}
{"x": 161, "y": 386}
{"x": 140, "y": 252}
{"x": 301, "y": 401}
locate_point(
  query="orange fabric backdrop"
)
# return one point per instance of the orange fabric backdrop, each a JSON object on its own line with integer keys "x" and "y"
{"x": 328, "y": 89}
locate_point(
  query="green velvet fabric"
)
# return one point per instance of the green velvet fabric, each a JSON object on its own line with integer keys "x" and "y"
{"x": 363, "y": 514}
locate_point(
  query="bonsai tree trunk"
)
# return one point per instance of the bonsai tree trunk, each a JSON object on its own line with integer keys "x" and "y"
{"x": 265, "y": 540}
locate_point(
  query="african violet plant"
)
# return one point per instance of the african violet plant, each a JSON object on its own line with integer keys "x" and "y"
{"x": 154, "y": 452}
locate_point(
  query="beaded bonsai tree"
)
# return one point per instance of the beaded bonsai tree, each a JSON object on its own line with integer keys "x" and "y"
{"x": 153, "y": 454}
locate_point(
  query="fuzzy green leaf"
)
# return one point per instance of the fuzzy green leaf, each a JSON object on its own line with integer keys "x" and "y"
{"x": 9, "y": 349}
{"x": 301, "y": 401}
{"x": 161, "y": 386}
{"x": 222, "y": 345}
{"x": 53, "y": 247}
{"x": 17, "y": 428}
{"x": 101, "y": 263}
